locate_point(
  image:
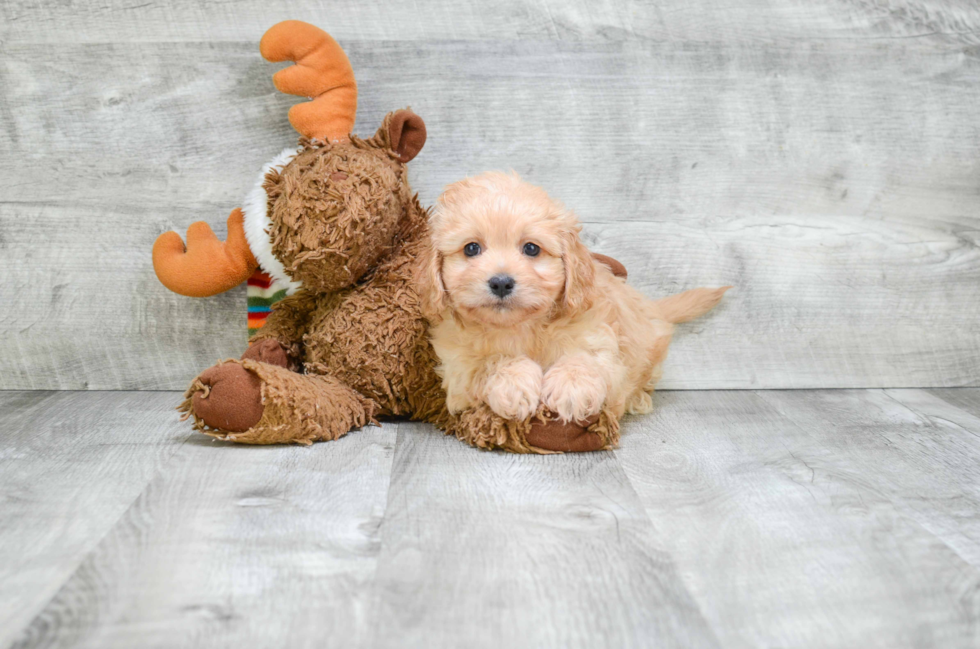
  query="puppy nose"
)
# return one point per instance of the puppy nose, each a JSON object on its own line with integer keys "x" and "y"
{"x": 501, "y": 285}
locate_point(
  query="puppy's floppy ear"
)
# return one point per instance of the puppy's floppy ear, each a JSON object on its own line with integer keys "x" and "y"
{"x": 580, "y": 287}
{"x": 428, "y": 279}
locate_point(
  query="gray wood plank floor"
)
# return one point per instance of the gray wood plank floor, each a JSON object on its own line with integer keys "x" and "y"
{"x": 836, "y": 518}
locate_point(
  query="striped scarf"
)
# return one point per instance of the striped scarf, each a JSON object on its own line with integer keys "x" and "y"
{"x": 263, "y": 292}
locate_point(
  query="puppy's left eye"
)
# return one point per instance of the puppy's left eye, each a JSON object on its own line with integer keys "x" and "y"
{"x": 472, "y": 249}
{"x": 531, "y": 249}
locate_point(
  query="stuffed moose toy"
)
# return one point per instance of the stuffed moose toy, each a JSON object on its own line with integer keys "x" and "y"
{"x": 335, "y": 221}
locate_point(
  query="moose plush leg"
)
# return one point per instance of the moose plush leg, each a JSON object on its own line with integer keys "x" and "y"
{"x": 543, "y": 433}
{"x": 482, "y": 427}
{"x": 252, "y": 402}
{"x": 598, "y": 432}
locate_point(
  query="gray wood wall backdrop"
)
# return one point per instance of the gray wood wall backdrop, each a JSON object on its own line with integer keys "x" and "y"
{"x": 821, "y": 155}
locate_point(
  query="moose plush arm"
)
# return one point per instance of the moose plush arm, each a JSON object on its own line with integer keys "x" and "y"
{"x": 280, "y": 340}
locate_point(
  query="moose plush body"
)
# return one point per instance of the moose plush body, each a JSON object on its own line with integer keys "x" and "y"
{"x": 336, "y": 220}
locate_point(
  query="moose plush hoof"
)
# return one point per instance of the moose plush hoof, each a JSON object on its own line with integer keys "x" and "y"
{"x": 229, "y": 398}
{"x": 268, "y": 351}
{"x": 564, "y": 437}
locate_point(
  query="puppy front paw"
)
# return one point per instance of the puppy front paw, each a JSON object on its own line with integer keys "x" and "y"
{"x": 573, "y": 392}
{"x": 513, "y": 391}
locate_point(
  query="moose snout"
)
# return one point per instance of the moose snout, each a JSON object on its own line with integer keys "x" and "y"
{"x": 501, "y": 285}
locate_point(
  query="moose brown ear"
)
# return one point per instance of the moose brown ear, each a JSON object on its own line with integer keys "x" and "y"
{"x": 406, "y": 132}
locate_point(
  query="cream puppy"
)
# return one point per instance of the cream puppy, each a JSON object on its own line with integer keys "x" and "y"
{"x": 523, "y": 317}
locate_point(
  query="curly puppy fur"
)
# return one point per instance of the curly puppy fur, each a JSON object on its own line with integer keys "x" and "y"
{"x": 564, "y": 334}
{"x": 346, "y": 223}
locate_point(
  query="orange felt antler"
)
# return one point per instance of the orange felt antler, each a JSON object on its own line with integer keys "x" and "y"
{"x": 207, "y": 266}
{"x": 322, "y": 72}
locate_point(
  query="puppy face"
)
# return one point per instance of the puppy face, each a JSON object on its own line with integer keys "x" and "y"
{"x": 503, "y": 252}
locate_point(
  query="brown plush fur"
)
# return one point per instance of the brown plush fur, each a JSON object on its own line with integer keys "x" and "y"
{"x": 346, "y": 222}
{"x": 334, "y": 211}
{"x": 297, "y": 408}
{"x": 342, "y": 221}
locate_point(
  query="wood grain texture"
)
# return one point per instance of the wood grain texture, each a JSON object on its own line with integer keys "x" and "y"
{"x": 941, "y": 21}
{"x": 70, "y": 464}
{"x": 494, "y": 550}
{"x": 91, "y": 314}
{"x": 937, "y": 479}
{"x": 967, "y": 399}
{"x": 808, "y": 518}
{"x": 922, "y": 452}
{"x": 235, "y": 546}
{"x": 842, "y": 302}
{"x": 727, "y": 518}
{"x": 821, "y": 156}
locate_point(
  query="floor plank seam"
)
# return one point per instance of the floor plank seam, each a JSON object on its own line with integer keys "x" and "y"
{"x": 90, "y": 551}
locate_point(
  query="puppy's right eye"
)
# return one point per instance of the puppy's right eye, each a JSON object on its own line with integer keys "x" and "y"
{"x": 472, "y": 249}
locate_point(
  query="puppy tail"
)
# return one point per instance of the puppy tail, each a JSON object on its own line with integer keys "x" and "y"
{"x": 689, "y": 304}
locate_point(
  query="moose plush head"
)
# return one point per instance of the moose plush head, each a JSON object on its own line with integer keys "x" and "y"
{"x": 321, "y": 214}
